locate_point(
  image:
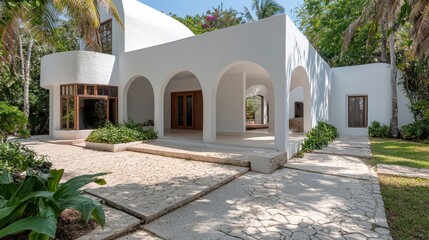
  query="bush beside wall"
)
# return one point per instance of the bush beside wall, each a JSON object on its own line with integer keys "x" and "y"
{"x": 121, "y": 133}
{"x": 319, "y": 137}
{"x": 376, "y": 129}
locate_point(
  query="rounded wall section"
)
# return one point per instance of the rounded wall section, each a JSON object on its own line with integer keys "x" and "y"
{"x": 146, "y": 27}
{"x": 77, "y": 67}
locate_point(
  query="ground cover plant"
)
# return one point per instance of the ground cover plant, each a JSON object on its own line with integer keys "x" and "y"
{"x": 319, "y": 137}
{"x": 121, "y": 133}
{"x": 406, "y": 202}
{"x": 17, "y": 158}
{"x": 32, "y": 206}
{"x": 400, "y": 152}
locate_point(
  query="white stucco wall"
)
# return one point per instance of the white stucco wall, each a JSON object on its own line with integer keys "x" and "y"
{"x": 372, "y": 80}
{"x": 140, "y": 100}
{"x": 230, "y": 103}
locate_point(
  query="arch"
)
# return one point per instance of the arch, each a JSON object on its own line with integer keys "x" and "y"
{"x": 231, "y": 87}
{"x": 256, "y": 105}
{"x": 140, "y": 100}
{"x": 178, "y": 110}
{"x": 300, "y": 79}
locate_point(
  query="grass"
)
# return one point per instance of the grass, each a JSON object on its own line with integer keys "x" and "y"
{"x": 400, "y": 152}
{"x": 407, "y": 206}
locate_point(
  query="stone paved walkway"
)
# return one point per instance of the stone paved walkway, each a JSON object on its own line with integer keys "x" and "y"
{"x": 404, "y": 171}
{"x": 146, "y": 186}
{"x": 317, "y": 197}
{"x": 355, "y": 146}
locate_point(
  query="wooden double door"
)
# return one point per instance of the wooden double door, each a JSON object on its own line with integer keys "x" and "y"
{"x": 187, "y": 110}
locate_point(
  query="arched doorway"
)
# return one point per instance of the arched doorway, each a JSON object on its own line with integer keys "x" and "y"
{"x": 239, "y": 82}
{"x": 183, "y": 105}
{"x": 257, "y": 103}
{"x": 300, "y": 104}
{"x": 140, "y": 101}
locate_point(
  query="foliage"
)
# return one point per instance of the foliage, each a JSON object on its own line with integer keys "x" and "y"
{"x": 121, "y": 133}
{"x": 214, "y": 19}
{"x": 418, "y": 130}
{"x": 319, "y": 137}
{"x": 253, "y": 104}
{"x": 406, "y": 201}
{"x": 263, "y": 9}
{"x": 16, "y": 158}
{"x": 400, "y": 152}
{"x": 323, "y": 23}
{"x": 376, "y": 129}
{"x": 11, "y": 120}
{"x": 36, "y": 203}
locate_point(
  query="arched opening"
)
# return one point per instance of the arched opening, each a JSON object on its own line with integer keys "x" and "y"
{"x": 300, "y": 104}
{"x": 183, "y": 106}
{"x": 140, "y": 101}
{"x": 257, "y": 107}
{"x": 245, "y": 106}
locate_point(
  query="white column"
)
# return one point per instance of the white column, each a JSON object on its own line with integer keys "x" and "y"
{"x": 159, "y": 111}
{"x": 122, "y": 103}
{"x": 281, "y": 115}
{"x": 209, "y": 114}
{"x": 244, "y": 88}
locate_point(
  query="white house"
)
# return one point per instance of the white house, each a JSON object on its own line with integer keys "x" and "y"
{"x": 156, "y": 69}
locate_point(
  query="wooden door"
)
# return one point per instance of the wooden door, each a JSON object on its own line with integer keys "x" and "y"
{"x": 187, "y": 110}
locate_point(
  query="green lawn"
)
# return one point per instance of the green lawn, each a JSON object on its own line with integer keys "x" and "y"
{"x": 399, "y": 152}
{"x": 407, "y": 206}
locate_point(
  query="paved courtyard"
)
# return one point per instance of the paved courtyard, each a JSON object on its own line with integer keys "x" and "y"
{"x": 320, "y": 196}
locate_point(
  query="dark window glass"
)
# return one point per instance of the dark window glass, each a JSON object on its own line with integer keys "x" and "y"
{"x": 71, "y": 113}
{"x": 113, "y": 92}
{"x": 189, "y": 106}
{"x": 180, "y": 114}
{"x": 102, "y": 90}
{"x": 89, "y": 90}
{"x": 106, "y": 36}
{"x": 112, "y": 110}
{"x": 80, "y": 89}
{"x": 358, "y": 111}
{"x": 64, "y": 119}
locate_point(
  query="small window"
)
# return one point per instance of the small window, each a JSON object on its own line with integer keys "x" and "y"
{"x": 106, "y": 36}
{"x": 358, "y": 111}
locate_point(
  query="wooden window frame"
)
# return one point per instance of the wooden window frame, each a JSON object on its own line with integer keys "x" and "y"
{"x": 76, "y": 97}
{"x": 365, "y": 110}
{"x": 108, "y": 29}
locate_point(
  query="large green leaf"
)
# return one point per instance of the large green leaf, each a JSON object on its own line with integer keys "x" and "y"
{"x": 81, "y": 203}
{"x": 71, "y": 187}
{"x": 54, "y": 179}
{"x": 98, "y": 215}
{"x": 6, "y": 177}
{"x": 42, "y": 225}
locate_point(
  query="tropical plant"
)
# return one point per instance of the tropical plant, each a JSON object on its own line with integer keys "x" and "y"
{"x": 418, "y": 130}
{"x": 35, "y": 203}
{"x": 11, "y": 120}
{"x": 121, "y": 133}
{"x": 319, "y": 137}
{"x": 376, "y": 129}
{"x": 417, "y": 13}
{"x": 16, "y": 158}
{"x": 263, "y": 9}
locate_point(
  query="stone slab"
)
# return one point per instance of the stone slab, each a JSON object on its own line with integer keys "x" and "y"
{"x": 143, "y": 185}
{"x": 288, "y": 204}
{"x": 354, "y": 146}
{"x": 396, "y": 170}
{"x": 258, "y": 159}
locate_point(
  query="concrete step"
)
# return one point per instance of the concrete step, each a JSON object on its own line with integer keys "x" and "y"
{"x": 257, "y": 159}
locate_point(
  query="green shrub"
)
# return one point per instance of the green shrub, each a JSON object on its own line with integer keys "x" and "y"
{"x": 16, "y": 158}
{"x": 376, "y": 129}
{"x": 12, "y": 120}
{"x": 319, "y": 137}
{"x": 34, "y": 205}
{"x": 121, "y": 133}
{"x": 416, "y": 131}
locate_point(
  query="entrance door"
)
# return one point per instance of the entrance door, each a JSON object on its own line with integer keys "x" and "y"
{"x": 186, "y": 110}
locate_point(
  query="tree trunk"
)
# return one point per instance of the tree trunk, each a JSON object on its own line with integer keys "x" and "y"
{"x": 383, "y": 46}
{"x": 27, "y": 79}
{"x": 393, "y": 86}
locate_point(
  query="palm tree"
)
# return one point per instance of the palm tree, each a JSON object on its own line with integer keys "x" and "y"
{"x": 35, "y": 20}
{"x": 417, "y": 13}
{"x": 386, "y": 13}
{"x": 263, "y": 9}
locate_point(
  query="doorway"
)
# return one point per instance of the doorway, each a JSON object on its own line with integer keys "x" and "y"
{"x": 187, "y": 110}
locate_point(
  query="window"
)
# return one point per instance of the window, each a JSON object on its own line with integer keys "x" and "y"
{"x": 106, "y": 36}
{"x": 358, "y": 111}
{"x": 86, "y": 106}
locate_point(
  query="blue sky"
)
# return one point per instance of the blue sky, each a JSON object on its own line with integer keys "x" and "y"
{"x": 193, "y": 7}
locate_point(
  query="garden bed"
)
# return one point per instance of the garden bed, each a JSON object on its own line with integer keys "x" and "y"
{"x": 111, "y": 147}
